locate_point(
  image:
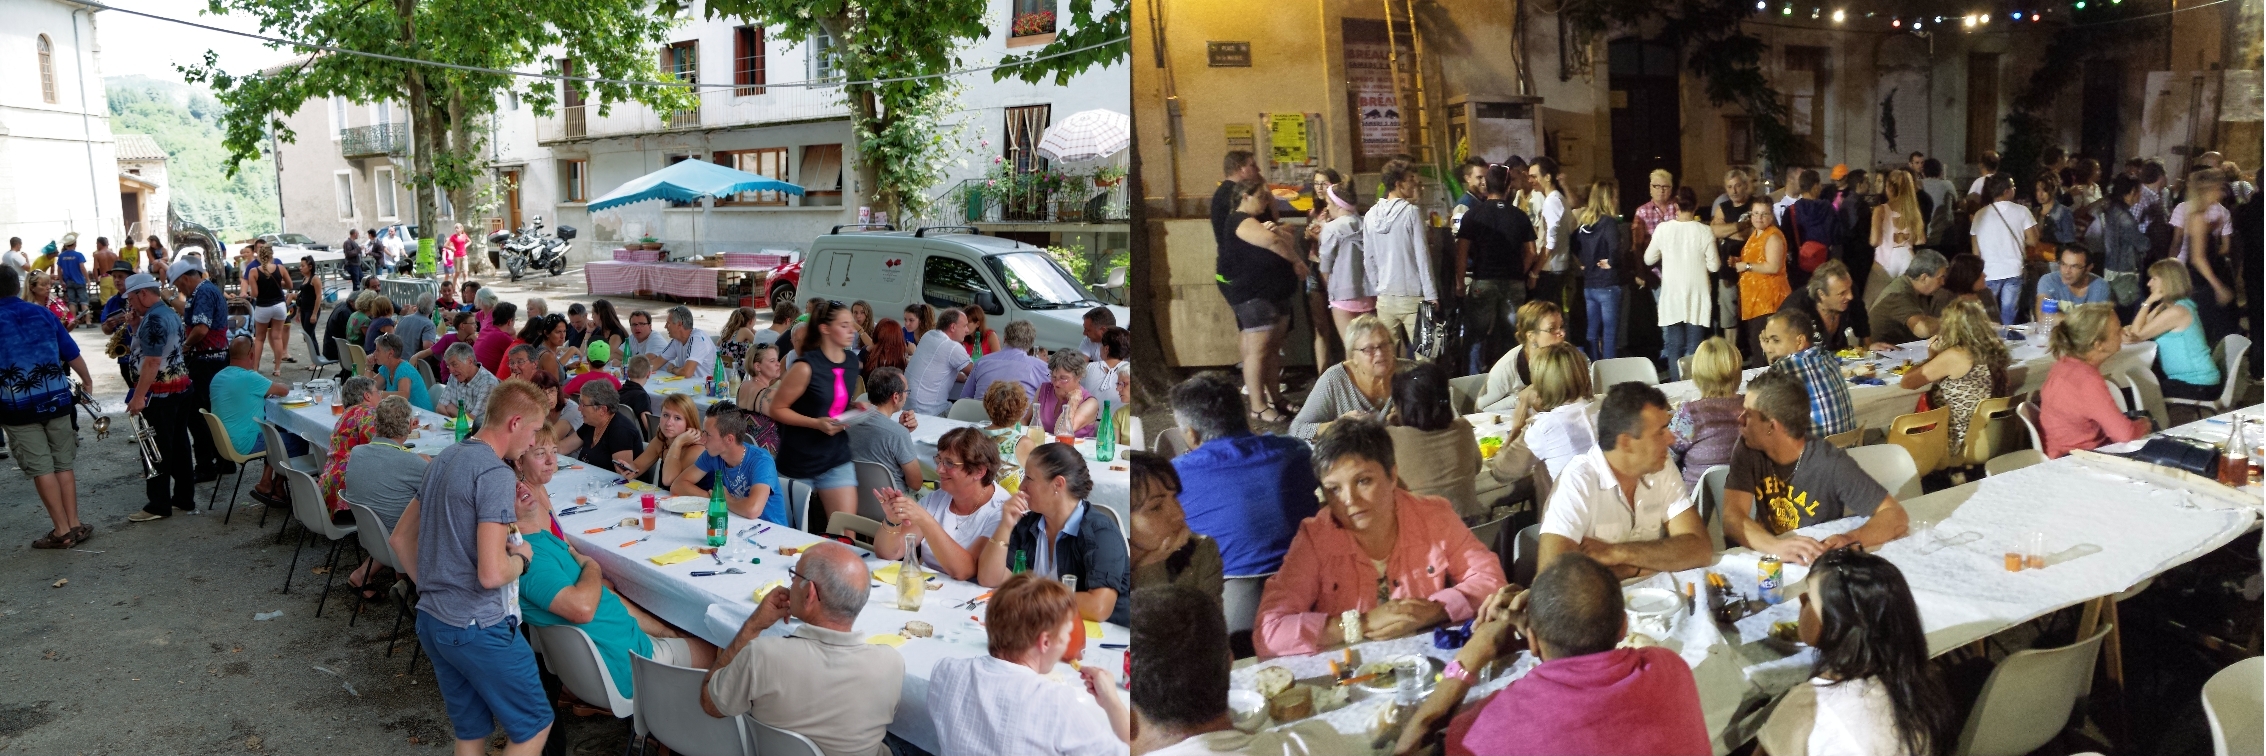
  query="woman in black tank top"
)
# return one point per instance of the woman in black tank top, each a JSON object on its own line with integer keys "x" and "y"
{"x": 813, "y": 444}
{"x": 271, "y": 323}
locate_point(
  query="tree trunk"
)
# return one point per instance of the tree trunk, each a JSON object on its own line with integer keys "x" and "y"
{"x": 424, "y": 126}
{"x": 1151, "y": 378}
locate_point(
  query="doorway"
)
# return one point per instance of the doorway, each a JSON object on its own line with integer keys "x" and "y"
{"x": 1647, "y": 116}
{"x": 2104, "y": 93}
{"x": 130, "y": 206}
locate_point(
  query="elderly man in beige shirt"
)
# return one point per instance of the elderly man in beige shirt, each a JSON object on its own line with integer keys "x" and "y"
{"x": 821, "y": 681}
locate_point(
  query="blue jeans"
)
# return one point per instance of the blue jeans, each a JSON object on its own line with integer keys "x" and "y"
{"x": 1680, "y": 340}
{"x": 487, "y": 677}
{"x": 2008, "y": 292}
{"x": 1604, "y": 321}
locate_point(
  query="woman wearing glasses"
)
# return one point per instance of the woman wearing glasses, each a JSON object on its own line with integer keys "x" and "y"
{"x": 1540, "y": 324}
{"x": 1361, "y": 386}
{"x": 954, "y": 519}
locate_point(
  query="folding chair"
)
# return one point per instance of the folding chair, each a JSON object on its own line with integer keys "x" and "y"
{"x": 1927, "y": 435}
{"x": 667, "y": 709}
{"x": 226, "y": 448}
{"x": 307, "y": 508}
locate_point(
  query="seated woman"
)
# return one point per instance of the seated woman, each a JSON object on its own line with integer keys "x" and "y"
{"x": 560, "y": 586}
{"x": 1359, "y": 387}
{"x": 2168, "y": 317}
{"x": 1966, "y": 362}
{"x": 758, "y": 382}
{"x": 1964, "y": 279}
{"x": 1085, "y": 544}
{"x": 606, "y": 440}
{"x": 1378, "y": 562}
{"x": 981, "y": 340}
{"x": 889, "y": 348}
{"x": 1165, "y": 551}
{"x": 381, "y": 323}
{"x": 1872, "y": 689}
{"x": 1540, "y": 324}
{"x": 384, "y": 474}
{"x": 1707, "y": 428}
{"x": 1006, "y": 404}
{"x": 982, "y": 704}
{"x": 397, "y": 376}
{"x": 2074, "y": 407}
{"x": 360, "y": 395}
{"x": 358, "y": 324}
{"x": 1439, "y": 452}
{"x": 675, "y": 450}
{"x": 954, "y": 519}
{"x": 565, "y": 418}
{"x": 738, "y": 335}
{"x": 1064, "y": 407}
{"x": 1555, "y": 417}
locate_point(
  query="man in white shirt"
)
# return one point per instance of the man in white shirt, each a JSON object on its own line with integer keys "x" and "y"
{"x": 821, "y": 681}
{"x": 1180, "y": 698}
{"x": 1008, "y": 702}
{"x": 2003, "y": 231}
{"x": 1623, "y": 503}
{"x": 1989, "y": 164}
{"x": 15, "y": 257}
{"x": 641, "y": 333}
{"x": 938, "y": 362}
{"x": 1098, "y": 321}
{"x": 689, "y": 351}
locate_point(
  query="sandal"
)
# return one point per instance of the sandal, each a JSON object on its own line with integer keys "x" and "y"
{"x": 82, "y": 532}
{"x": 52, "y": 541}
{"x": 1261, "y": 416}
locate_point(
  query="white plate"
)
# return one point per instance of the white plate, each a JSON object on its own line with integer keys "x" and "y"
{"x": 684, "y": 504}
{"x": 298, "y": 400}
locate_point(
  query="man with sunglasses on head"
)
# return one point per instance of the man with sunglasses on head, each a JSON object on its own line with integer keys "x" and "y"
{"x": 822, "y": 681}
{"x": 1784, "y": 477}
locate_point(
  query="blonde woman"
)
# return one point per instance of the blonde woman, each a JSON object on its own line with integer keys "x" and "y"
{"x": 1966, "y": 362}
{"x": 1361, "y": 386}
{"x": 1897, "y": 225}
{"x": 1540, "y": 324}
{"x": 1601, "y": 249}
{"x": 1707, "y": 428}
{"x": 268, "y": 285}
{"x": 2168, "y": 317}
{"x": 2074, "y": 407}
{"x": 1553, "y": 417}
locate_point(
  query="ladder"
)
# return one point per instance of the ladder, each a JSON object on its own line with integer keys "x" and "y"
{"x": 1410, "y": 92}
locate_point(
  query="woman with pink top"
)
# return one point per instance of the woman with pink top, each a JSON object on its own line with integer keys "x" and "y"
{"x": 2075, "y": 410}
{"x": 452, "y": 259}
{"x": 1399, "y": 562}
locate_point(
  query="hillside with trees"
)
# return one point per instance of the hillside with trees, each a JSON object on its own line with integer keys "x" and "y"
{"x": 185, "y": 120}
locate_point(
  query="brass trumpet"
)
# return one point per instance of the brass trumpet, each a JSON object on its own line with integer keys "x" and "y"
{"x": 145, "y": 438}
{"x": 101, "y": 423}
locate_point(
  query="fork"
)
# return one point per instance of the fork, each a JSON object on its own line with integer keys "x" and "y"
{"x": 633, "y": 543}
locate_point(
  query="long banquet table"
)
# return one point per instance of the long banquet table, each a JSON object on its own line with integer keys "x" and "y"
{"x": 2105, "y": 531}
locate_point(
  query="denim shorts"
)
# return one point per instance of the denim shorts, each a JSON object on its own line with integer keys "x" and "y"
{"x": 842, "y": 476}
{"x": 487, "y": 677}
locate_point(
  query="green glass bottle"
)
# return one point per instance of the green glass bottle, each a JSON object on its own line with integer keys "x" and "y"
{"x": 1022, "y": 563}
{"x": 463, "y": 423}
{"x": 719, "y": 518}
{"x": 1105, "y": 436}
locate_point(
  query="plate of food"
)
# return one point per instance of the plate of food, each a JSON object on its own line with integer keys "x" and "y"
{"x": 1383, "y": 676}
{"x": 1289, "y": 700}
{"x": 296, "y": 401}
{"x": 685, "y": 504}
{"x": 1784, "y": 636}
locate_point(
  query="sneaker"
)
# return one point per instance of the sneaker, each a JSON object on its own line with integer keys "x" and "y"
{"x": 143, "y": 516}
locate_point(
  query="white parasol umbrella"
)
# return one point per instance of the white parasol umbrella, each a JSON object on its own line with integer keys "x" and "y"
{"x": 1087, "y": 135}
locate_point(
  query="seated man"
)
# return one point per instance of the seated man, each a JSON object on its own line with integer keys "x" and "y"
{"x": 1247, "y": 491}
{"x": 823, "y": 681}
{"x": 1784, "y": 477}
{"x": 934, "y": 365}
{"x": 2074, "y": 285}
{"x": 1908, "y": 309}
{"x": 1008, "y": 702}
{"x": 468, "y": 384}
{"x": 1826, "y": 300}
{"x": 885, "y": 436}
{"x": 1180, "y": 698}
{"x": 1786, "y": 344}
{"x": 749, "y": 475}
{"x": 1586, "y": 697}
{"x": 690, "y": 352}
{"x": 1015, "y": 363}
{"x": 239, "y": 399}
{"x": 1622, "y": 502}
{"x": 1328, "y": 591}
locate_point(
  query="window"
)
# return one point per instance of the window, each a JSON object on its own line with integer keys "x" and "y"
{"x": 747, "y": 60}
{"x": 1037, "y": 282}
{"x": 1982, "y": 104}
{"x": 574, "y": 178}
{"x": 381, "y": 113}
{"x": 342, "y": 186}
{"x": 1806, "y": 104}
{"x": 1025, "y": 127}
{"x": 570, "y": 92}
{"x": 821, "y": 175}
{"x": 947, "y": 282}
{"x": 46, "y": 69}
{"x": 1032, "y": 17}
{"x": 682, "y": 60}
{"x": 337, "y": 118}
{"x": 769, "y": 161}
{"x": 822, "y": 63}
{"x": 381, "y": 183}
{"x": 1738, "y": 140}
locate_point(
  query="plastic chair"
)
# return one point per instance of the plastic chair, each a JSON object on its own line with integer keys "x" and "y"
{"x": 2028, "y": 411}
{"x": 226, "y": 448}
{"x": 2233, "y": 377}
{"x": 873, "y": 476}
{"x": 357, "y": 358}
{"x": 1171, "y": 442}
{"x": 1093, "y": 508}
{"x": 1892, "y": 466}
{"x": 772, "y": 741}
{"x": 2012, "y": 461}
{"x": 1129, "y": 431}
{"x": 798, "y": 502}
{"x": 314, "y": 519}
{"x": 567, "y": 650}
{"x": 1464, "y": 392}
{"x": 667, "y": 708}
{"x": 309, "y": 463}
{"x": 1927, "y": 435}
{"x": 371, "y": 531}
{"x": 1848, "y": 438}
{"x": 1605, "y": 373}
{"x": 2027, "y": 700}
{"x": 1711, "y": 502}
{"x": 969, "y": 411}
{"x": 1239, "y": 602}
{"x": 1523, "y": 554}
{"x": 315, "y": 359}
{"x": 1485, "y": 531}
{"x": 424, "y": 371}
{"x": 1990, "y": 432}
{"x": 846, "y": 524}
{"x": 2231, "y": 703}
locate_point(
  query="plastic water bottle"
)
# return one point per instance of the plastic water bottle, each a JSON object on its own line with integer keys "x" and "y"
{"x": 1105, "y": 437}
{"x": 2049, "y": 313}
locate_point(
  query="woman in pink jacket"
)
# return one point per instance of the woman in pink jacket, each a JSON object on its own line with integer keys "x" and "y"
{"x": 1404, "y": 562}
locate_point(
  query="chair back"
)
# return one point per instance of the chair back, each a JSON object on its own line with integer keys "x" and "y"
{"x": 1523, "y": 554}
{"x": 968, "y": 411}
{"x": 1129, "y": 431}
{"x": 864, "y": 530}
{"x": 798, "y": 502}
{"x": 2012, "y": 461}
{"x": 667, "y": 707}
{"x": 275, "y": 441}
{"x": 2231, "y": 703}
{"x": 315, "y": 359}
{"x": 2028, "y": 698}
{"x": 570, "y": 654}
{"x": 652, "y": 426}
{"x": 772, "y": 741}
{"x": 1927, "y": 435}
{"x": 1463, "y": 393}
{"x": 1486, "y": 531}
{"x": 871, "y": 477}
{"x": 1114, "y": 519}
{"x": 358, "y": 358}
{"x": 1892, "y": 466}
{"x": 307, "y": 504}
{"x": 1239, "y": 600}
{"x": 372, "y": 533}
{"x": 1847, "y": 438}
{"x": 2028, "y": 412}
{"x": 1171, "y": 442}
{"x": 1115, "y": 279}
{"x": 222, "y": 444}
{"x": 1711, "y": 502}
{"x": 2235, "y": 379}
{"x": 424, "y": 371}
{"x": 1604, "y": 374}
{"x": 1991, "y": 431}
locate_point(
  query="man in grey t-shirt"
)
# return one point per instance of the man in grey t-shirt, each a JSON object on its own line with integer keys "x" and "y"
{"x": 1783, "y": 479}
{"x": 938, "y": 362}
{"x": 885, "y": 437}
{"x": 416, "y": 329}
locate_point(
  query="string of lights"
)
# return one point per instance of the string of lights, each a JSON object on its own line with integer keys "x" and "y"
{"x": 2073, "y": 12}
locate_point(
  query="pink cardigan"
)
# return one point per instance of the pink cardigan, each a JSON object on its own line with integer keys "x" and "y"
{"x": 2075, "y": 411}
{"x": 1326, "y": 573}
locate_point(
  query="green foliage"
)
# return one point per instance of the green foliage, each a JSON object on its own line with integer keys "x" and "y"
{"x": 186, "y": 122}
{"x": 1079, "y": 28}
{"x": 2029, "y": 123}
{"x": 1088, "y": 269}
{"x": 1717, "y": 48}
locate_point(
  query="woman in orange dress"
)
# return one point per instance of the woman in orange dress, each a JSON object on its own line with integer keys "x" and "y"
{"x": 1762, "y": 276}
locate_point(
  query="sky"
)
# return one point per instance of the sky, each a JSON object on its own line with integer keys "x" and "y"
{"x": 138, "y": 45}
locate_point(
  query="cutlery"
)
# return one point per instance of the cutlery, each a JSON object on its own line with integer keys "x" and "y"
{"x": 633, "y": 543}
{"x": 726, "y": 571}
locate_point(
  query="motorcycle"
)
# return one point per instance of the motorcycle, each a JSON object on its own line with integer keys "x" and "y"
{"x": 528, "y": 248}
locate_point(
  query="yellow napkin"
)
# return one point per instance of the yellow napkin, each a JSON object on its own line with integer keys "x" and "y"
{"x": 639, "y": 485}
{"x": 891, "y": 640}
{"x": 695, "y": 515}
{"x": 1093, "y": 631}
{"x": 888, "y": 575}
{"x": 766, "y": 589}
{"x": 682, "y": 554}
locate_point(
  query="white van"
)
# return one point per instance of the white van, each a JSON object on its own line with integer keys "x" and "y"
{"x": 950, "y": 266}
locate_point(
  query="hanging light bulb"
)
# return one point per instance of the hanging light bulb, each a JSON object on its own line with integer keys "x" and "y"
{"x": 1896, "y": 22}
{"x": 2081, "y": 4}
{"x": 2018, "y": 15}
{"x": 1789, "y": 10}
{"x": 1762, "y": 5}
{"x": 1969, "y": 20}
{"x": 1986, "y": 19}
{"x": 1839, "y": 16}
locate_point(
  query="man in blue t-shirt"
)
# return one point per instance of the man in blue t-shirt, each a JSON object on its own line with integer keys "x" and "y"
{"x": 37, "y": 409}
{"x": 2074, "y": 283}
{"x": 563, "y": 587}
{"x": 1247, "y": 491}
{"x": 749, "y": 475}
{"x": 71, "y": 267}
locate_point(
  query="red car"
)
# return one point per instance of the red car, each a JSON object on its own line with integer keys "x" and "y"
{"x": 781, "y": 285}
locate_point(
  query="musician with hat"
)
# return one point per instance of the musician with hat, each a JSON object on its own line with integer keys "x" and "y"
{"x": 204, "y": 346}
{"x": 39, "y": 406}
{"x": 162, "y": 398}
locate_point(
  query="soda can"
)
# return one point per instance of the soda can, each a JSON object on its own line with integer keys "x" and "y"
{"x": 1769, "y": 576}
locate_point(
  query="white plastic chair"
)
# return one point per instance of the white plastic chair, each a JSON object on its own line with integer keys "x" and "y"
{"x": 872, "y": 476}
{"x": 1239, "y": 601}
{"x": 2232, "y": 703}
{"x": 1116, "y": 520}
{"x": 2028, "y": 698}
{"x": 1892, "y": 466}
{"x": 1464, "y": 392}
{"x": 314, "y": 519}
{"x": 315, "y": 359}
{"x": 1171, "y": 442}
{"x": 969, "y": 411}
{"x": 2233, "y": 378}
{"x": 570, "y": 654}
{"x": 1605, "y": 373}
{"x": 772, "y": 741}
{"x": 667, "y": 708}
{"x": 2012, "y": 461}
{"x": 375, "y": 537}
{"x": 798, "y": 502}
{"x": 2028, "y": 411}
{"x": 1711, "y": 502}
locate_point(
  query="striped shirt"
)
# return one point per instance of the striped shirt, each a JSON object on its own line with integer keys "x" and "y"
{"x": 1831, "y": 411}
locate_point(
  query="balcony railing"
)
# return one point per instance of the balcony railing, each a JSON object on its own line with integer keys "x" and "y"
{"x": 719, "y": 108}
{"x": 987, "y": 201}
{"x": 371, "y": 141}
{"x": 577, "y": 124}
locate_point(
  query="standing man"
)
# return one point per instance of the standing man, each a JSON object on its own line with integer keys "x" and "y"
{"x": 690, "y": 352}
{"x": 162, "y": 397}
{"x": 2004, "y": 231}
{"x": 38, "y": 412}
{"x": 1098, "y": 321}
{"x": 459, "y": 544}
{"x": 204, "y": 345}
{"x": 353, "y": 262}
{"x": 71, "y": 269}
{"x": 104, "y": 259}
{"x": 15, "y": 257}
{"x": 1729, "y": 222}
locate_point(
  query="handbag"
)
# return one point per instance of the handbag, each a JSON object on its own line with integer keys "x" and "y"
{"x": 1811, "y": 253}
{"x": 1431, "y": 331}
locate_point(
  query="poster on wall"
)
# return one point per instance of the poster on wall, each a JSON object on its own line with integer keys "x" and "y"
{"x": 1286, "y": 133}
{"x": 1369, "y": 74}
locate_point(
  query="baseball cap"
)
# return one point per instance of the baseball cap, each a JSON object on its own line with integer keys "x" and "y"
{"x": 1840, "y": 170}
{"x": 140, "y": 281}
{"x": 185, "y": 266}
{"x": 598, "y": 352}
{"x": 122, "y": 266}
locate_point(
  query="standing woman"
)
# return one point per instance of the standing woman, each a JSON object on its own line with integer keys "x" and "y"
{"x": 2124, "y": 248}
{"x": 1872, "y": 690}
{"x": 1601, "y": 248}
{"x": 268, "y": 286}
{"x": 2210, "y": 258}
{"x": 1346, "y": 271}
{"x": 454, "y": 260}
{"x": 1326, "y": 342}
{"x": 1684, "y": 248}
{"x": 307, "y": 298}
{"x": 1896, "y": 225}
{"x": 812, "y": 393}
{"x": 1762, "y": 277}
{"x": 1548, "y": 206}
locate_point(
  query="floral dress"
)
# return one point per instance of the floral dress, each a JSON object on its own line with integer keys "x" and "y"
{"x": 355, "y": 428}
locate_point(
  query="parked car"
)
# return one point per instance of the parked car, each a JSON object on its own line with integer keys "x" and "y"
{"x": 945, "y": 267}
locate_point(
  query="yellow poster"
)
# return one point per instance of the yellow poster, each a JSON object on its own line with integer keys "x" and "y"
{"x": 1287, "y": 132}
